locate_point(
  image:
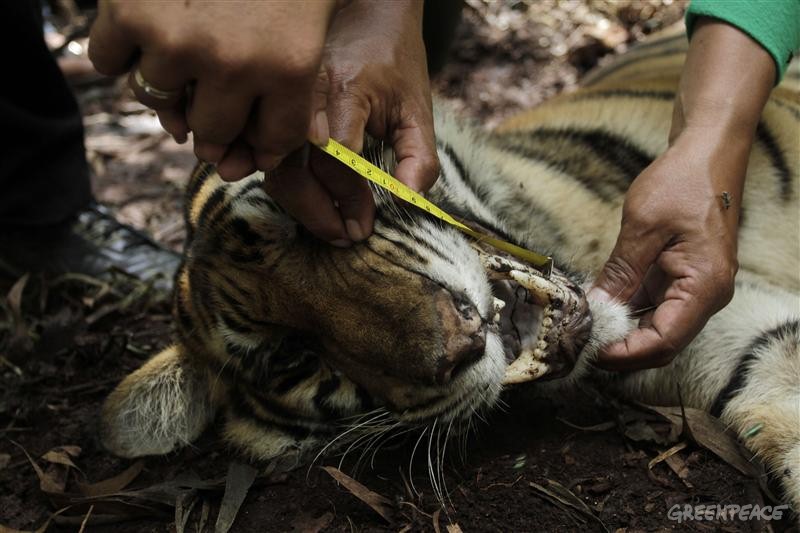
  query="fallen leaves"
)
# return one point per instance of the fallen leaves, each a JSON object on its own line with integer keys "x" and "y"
{"x": 379, "y": 504}
{"x": 238, "y": 481}
{"x": 110, "y": 500}
{"x": 562, "y": 497}
{"x": 710, "y": 433}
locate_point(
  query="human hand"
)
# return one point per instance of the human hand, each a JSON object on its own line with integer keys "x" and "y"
{"x": 675, "y": 257}
{"x": 252, "y": 67}
{"x": 376, "y": 80}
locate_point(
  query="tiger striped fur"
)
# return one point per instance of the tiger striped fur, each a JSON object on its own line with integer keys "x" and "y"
{"x": 295, "y": 342}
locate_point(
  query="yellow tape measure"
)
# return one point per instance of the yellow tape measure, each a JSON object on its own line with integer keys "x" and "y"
{"x": 396, "y": 187}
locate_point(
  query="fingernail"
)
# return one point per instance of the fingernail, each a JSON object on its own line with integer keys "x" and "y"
{"x": 209, "y": 152}
{"x": 180, "y": 138}
{"x": 354, "y": 230}
{"x": 319, "y": 128}
{"x": 598, "y": 295}
{"x": 342, "y": 243}
{"x": 267, "y": 162}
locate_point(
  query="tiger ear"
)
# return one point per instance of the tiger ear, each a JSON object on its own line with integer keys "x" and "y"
{"x": 160, "y": 407}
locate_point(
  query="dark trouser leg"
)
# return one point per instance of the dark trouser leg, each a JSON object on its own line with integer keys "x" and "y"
{"x": 47, "y": 220}
{"x": 439, "y": 23}
{"x": 44, "y": 177}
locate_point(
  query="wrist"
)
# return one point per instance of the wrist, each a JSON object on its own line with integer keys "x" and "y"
{"x": 712, "y": 168}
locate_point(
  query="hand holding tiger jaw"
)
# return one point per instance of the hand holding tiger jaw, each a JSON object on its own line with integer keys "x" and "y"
{"x": 675, "y": 257}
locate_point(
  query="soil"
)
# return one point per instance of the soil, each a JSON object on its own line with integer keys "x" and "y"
{"x": 526, "y": 467}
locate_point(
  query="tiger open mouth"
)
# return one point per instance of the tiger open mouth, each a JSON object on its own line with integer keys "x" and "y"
{"x": 544, "y": 321}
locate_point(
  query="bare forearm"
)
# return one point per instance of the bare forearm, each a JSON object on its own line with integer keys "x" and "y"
{"x": 725, "y": 84}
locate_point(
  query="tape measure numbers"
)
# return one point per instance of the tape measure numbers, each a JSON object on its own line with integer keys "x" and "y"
{"x": 388, "y": 182}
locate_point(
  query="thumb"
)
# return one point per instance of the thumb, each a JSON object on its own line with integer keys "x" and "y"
{"x": 415, "y": 150}
{"x": 318, "y": 129}
{"x": 625, "y": 269}
{"x": 347, "y": 117}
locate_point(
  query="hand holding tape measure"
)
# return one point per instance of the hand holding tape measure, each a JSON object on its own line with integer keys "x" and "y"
{"x": 388, "y": 182}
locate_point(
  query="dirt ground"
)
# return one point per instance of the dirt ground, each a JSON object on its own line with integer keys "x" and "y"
{"x": 581, "y": 463}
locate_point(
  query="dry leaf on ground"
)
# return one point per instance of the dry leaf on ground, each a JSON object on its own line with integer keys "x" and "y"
{"x": 380, "y": 504}
{"x": 238, "y": 481}
{"x": 665, "y": 454}
{"x": 559, "y": 494}
{"x": 113, "y": 484}
{"x": 710, "y": 433}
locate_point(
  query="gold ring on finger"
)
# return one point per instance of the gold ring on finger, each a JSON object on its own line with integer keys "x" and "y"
{"x": 154, "y": 92}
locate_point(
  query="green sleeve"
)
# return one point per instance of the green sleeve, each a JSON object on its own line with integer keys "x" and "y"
{"x": 774, "y": 24}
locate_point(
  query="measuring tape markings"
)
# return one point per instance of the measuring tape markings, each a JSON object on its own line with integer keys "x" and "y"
{"x": 388, "y": 182}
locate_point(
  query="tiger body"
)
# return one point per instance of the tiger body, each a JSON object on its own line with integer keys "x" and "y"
{"x": 290, "y": 338}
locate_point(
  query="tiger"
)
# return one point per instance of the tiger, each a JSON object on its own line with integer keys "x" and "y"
{"x": 295, "y": 343}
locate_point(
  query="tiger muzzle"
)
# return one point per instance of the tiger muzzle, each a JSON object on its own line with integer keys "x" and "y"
{"x": 464, "y": 336}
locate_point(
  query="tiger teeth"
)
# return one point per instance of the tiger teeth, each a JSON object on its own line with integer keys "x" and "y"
{"x": 498, "y": 305}
{"x": 527, "y": 367}
{"x": 541, "y": 345}
{"x": 557, "y": 299}
{"x": 543, "y": 291}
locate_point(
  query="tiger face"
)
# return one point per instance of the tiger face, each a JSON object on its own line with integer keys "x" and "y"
{"x": 426, "y": 323}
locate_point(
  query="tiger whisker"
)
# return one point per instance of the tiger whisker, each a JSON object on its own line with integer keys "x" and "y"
{"x": 411, "y": 463}
{"x": 431, "y": 475}
{"x": 339, "y": 437}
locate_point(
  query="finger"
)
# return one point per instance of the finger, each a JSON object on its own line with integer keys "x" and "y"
{"x": 659, "y": 338}
{"x": 627, "y": 265}
{"x": 111, "y": 51}
{"x": 302, "y": 196}
{"x": 237, "y": 162}
{"x": 173, "y": 120}
{"x": 158, "y": 82}
{"x": 209, "y": 152}
{"x": 651, "y": 292}
{"x": 417, "y": 161}
{"x": 318, "y": 129}
{"x": 218, "y": 112}
{"x": 281, "y": 127}
{"x": 347, "y": 118}
{"x": 350, "y": 192}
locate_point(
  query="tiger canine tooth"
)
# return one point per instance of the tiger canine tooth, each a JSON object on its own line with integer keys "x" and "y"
{"x": 541, "y": 290}
{"x": 526, "y": 368}
{"x": 498, "y": 305}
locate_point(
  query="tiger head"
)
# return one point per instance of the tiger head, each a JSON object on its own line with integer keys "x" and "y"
{"x": 425, "y": 320}
{"x": 419, "y": 320}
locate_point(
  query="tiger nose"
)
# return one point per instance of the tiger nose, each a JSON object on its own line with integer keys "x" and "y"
{"x": 464, "y": 336}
